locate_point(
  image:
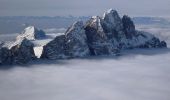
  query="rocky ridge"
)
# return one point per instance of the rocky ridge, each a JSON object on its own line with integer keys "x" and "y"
{"x": 105, "y": 35}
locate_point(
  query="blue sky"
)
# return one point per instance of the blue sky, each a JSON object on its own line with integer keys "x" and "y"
{"x": 83, "y": 7}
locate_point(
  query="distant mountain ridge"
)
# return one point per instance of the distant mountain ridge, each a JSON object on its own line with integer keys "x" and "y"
{"x": 18, "y": 23}
{"x": 105, "y": 35}
{"x": 151, "y": 20}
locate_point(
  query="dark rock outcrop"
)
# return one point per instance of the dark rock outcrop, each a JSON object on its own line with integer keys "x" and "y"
{"x": 55, "y": 49}
{"x": 5, "y": 55}
{"x": 20, "y": 52}
{"x": 128, "y": 26}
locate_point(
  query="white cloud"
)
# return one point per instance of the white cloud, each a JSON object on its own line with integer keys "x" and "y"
{"x": 137, "y": 75}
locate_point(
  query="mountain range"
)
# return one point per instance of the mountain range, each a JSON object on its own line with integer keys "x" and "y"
{"x": 99, "y": 35}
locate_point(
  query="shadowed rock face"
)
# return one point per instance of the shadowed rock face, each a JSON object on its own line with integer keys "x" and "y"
{"x": 128, "y": 26}
{"x": 112, "y": 23}
{"x": 32, "y": 33}
{"x": 5, "y": 56}
{"x": 20, "y": 52}
{"x": 72, "y": 44}
{"x": 55, "y": 49}
{"x": 76, "y": 41}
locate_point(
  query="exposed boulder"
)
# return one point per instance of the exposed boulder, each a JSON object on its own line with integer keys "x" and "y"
{"x": 163, "y": 44}
{"x": 32, "y": 33}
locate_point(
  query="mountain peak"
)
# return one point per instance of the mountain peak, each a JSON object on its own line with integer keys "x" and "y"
{"x": 32, "y": 33}
{"x": 110, "y": 13}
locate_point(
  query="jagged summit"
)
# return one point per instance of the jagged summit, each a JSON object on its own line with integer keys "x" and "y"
{"x": 110, "y": 12}
{"x": 32, "y": 33}
{"x": 72, "y": 44}
{"x": 105, "y": 35}
{"x": 111, "y": 16}
{"x": 128, "y": 26}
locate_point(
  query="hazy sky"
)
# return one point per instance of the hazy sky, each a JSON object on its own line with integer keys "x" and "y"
{"x": 83, "y": 7}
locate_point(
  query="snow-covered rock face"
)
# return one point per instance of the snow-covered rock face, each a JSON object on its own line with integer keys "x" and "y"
{"x": 72, "y": 44}
{"x": 76, "y": 40}
{"x": 98, "y": 41}
{"x": 118, "y": 33}
{"x": 113, "y": 24}
{"x": 31, "y": 33}
{"x": 20, "y": 52}
{"x": 100, "y": 36}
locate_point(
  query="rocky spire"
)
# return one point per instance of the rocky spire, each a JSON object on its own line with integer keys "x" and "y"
{"x": 129, "y": 27}
{"x": 113, "y": 24}
{"x": 98, "y": 41}
{"x": 5, "y": 55}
